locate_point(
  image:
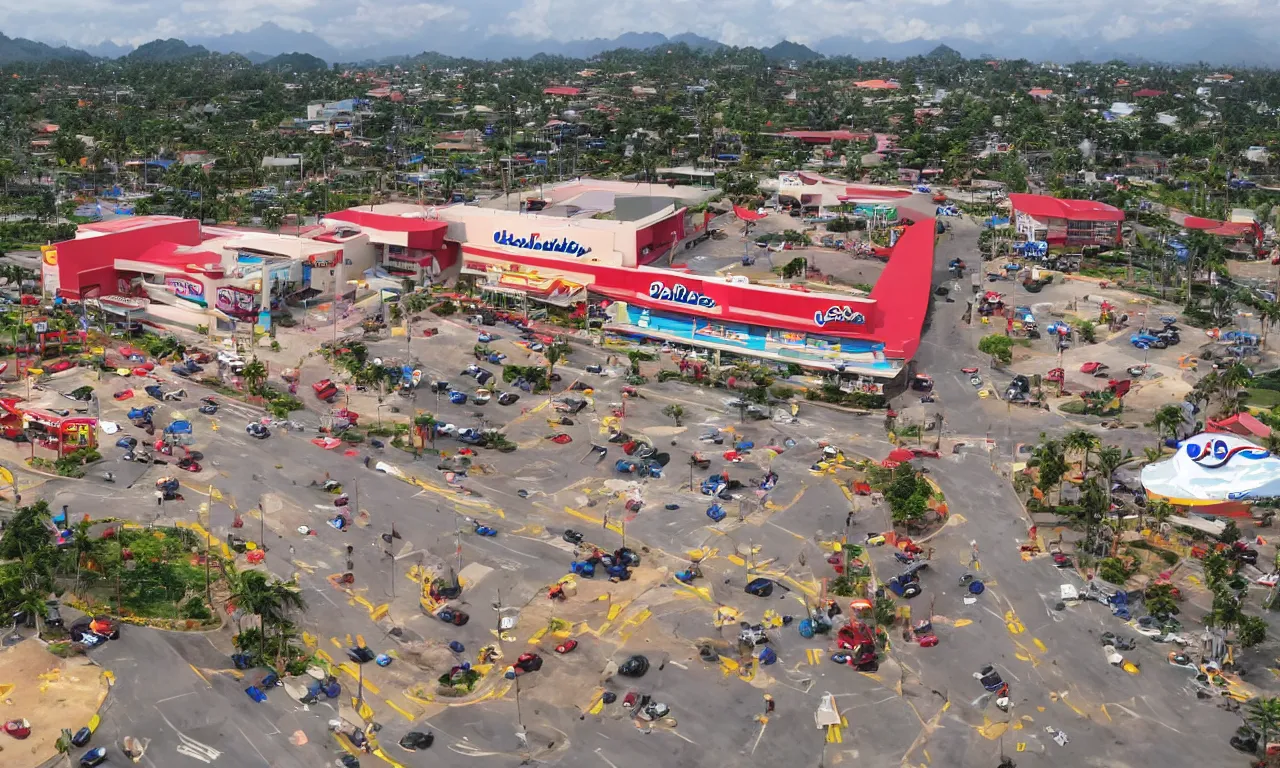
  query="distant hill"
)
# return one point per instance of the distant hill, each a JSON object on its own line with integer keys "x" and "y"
{"x": 15, "y": 50}
{"x": 1220, "y": 44}
{"x": 789, "y": 51}
{"x": 294, "y": 62}
{"x": 945, "y": 53}
{"x": 697, "y": 42}
{"x": 160, "y": 51}
{"x": 269, "y": 40}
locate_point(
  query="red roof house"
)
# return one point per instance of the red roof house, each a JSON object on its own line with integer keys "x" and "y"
{"x": 1066, "y": 222}
{"x": 1243, "y": 424}
{"x": 561, "y": 90}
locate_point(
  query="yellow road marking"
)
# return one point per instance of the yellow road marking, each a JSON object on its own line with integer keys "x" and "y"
{"x": 379, "y": 612}
{"x": 1038, "y": 644}
{"x": 833, "y": 735}
{"x": 393, "y": 705}
{"x": 814, "y": 655}
{"x": 324, "y": 655}
{"x": 200, "y": 675}
{"x": 359, "y": 641}
{"x": 962, "y": 623}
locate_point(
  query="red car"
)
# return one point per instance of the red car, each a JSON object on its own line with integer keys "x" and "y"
{"x": 924, "y": 453}
{"x": 325, "y": 390}
{"x": 58, "y": 366}
{"x": 567, "y": 646}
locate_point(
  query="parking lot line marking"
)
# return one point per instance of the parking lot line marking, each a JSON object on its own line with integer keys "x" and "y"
{"x": 200, "y": 675}
{"x": 359, "y": 641}
{"x": 394, "y": 706}
{"x": 814, "y": 655}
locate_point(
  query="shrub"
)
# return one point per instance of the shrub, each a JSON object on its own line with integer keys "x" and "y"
{"x": 1113, "y": 569}
{"x": 1000, "y": 347}
{"x": 194, "y": 608}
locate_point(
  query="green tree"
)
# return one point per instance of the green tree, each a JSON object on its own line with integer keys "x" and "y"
{"x": 1083, "y": 442}
{"x": 1000, "y": 348}
{"x": 553, "y": 353}
{"x": 1251, "y": 631}
{"x": 254, "y": 375}
{"x": 1168, "y": 420}
{"x": 1049, "y": 459}
{"x": 675, "y": 412}
{"x": 1215, "y": 569}
{"x": 1264, "y": 715}
{"x": 1160, "y": 603}
{"x": 272, "y": 218}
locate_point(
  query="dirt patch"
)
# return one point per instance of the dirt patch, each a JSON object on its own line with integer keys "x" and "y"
{"x": 51, "y": 693}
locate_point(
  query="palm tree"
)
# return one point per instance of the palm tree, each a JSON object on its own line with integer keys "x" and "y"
{"x": 554, "y": 353}
{"x": 1048, "y": 457}
{"x": 1083, "y": 441}
{"x": 1264, "y": 715}
{"x": 254, "y": 375}
{"x": 1233, "y": 379}
{"x": 1168, "y": 420}
{"x": 674, "y": 412}
{"x": 1110, "y": 458}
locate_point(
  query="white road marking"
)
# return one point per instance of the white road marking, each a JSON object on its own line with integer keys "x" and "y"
{"x": 179, "y": 696}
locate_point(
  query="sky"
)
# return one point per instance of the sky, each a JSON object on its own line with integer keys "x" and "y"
{"x": 361, "y": 23}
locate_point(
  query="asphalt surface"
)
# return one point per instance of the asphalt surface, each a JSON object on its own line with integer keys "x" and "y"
{"x": 922, "y": 707}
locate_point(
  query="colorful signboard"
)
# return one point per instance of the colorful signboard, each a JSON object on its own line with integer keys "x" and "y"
{"x": 186, "y": 289}
{"x": 532, "y": 243}
{"x": 679, "y": 294}
{"x": 236, "y": 301}
{"x": 839, "y": 314}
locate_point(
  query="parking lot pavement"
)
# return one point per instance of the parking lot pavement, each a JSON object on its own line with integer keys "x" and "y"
{"x": 922, "y": 706}
{"x": 176, "y": 694}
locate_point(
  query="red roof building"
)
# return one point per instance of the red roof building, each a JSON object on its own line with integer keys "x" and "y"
{"x": 1243, "y": 424}
{"x": 878, "y": 85}
{"x": 1066, "y": 223}
{"x": 561, "y": 90}
{"x": 1147, "y": 93}
{"x": 823, "y": 137}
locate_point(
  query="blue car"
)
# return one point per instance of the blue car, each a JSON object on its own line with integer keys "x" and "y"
{"x": 458, "y": 398}
{"x": 1143, "y": 340}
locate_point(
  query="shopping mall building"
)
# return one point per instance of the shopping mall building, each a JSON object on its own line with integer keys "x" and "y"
{"x": 174, "y": 270}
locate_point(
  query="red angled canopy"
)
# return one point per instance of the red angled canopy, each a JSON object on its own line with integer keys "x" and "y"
{"x": 746, "y": 214}
{"x": 900, "y": 455}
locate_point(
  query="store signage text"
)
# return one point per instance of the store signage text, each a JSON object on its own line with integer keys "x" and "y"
{"x": 838, "y": 314}
{"x": 185, "y": 289}
{"x": 532, "y": 243}
{"x": 236, "y": 301}
{"x": 679, "y": 294}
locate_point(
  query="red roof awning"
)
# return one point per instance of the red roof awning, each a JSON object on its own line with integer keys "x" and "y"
{"x": 746, "y": 214}
{"x": 1043, "y": 206}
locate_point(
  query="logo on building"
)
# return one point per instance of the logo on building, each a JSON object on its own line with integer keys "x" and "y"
{"x": 1216, "y": 453}
{"x": 532, "y": 243}
{"x": 236, "y": 301}
{"x": 678, "y": 294}
{"x": 838, "y": 314}
{"x": 185, "y": 289}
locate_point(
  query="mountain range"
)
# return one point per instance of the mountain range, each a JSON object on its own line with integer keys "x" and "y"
{"x": 1214, "y": 46}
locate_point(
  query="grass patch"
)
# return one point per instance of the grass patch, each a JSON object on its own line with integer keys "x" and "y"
{"x": 1262, "y": 398}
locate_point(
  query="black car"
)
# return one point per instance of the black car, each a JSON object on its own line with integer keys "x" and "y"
{"x": 635, "y": 666}
{"x": 52, "y": 614}
{"x": 416, "y": 740}
{"x": 361, "y": 654}
{"x": 258, "y": 431}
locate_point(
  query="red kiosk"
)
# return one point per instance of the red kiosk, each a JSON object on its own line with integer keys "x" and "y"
{"x": 64, "y": 434}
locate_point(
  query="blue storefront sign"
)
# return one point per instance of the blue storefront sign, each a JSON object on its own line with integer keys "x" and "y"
{"x": 532, "y": 243}
{"x": 679, "y": 294}
{"x": 839, "y": 314}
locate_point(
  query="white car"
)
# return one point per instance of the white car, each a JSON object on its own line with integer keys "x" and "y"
{"x": 448, "y": 430}
{"x": 231, "y": 360}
